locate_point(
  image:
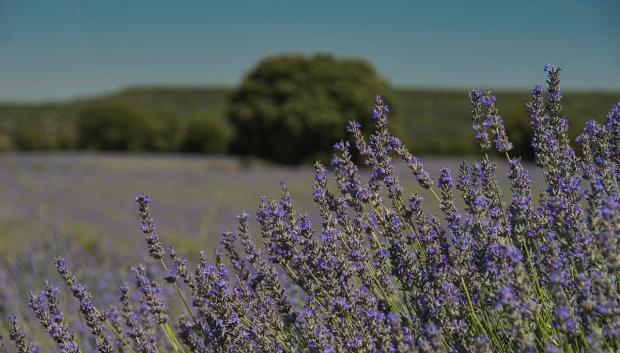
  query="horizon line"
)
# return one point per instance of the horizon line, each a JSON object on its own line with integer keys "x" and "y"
{"x": 224, "y": 86}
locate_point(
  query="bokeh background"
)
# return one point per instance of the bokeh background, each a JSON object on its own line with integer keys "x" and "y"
{"x": 207, "y": 105}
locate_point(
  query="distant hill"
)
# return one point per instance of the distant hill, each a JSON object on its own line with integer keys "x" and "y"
{"x": 431, "y": 121}
{"x": 177, "y": 99}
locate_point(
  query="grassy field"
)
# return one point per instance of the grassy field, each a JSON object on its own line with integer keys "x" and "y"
{"x": 430, "y": 121}
{"x": 89, "y": 197}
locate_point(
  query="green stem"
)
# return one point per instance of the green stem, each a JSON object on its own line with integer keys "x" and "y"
{"x": 115, "y": 331}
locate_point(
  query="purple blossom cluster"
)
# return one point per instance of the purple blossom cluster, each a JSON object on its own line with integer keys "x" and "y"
{"x": 484, "y": 272}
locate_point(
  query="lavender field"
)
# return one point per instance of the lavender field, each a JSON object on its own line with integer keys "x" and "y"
{"x": 82, "y": 207}
{"x": 506, "y": 257}
{"x": 85, "y": 196}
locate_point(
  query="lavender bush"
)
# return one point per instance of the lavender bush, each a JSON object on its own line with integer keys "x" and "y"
{"x": 377, "y": 273}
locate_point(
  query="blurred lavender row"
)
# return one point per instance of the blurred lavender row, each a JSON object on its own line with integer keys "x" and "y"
{"x": 90, "y": 195}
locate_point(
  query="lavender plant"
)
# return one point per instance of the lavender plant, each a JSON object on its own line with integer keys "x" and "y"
{"x": 484, "y": 272}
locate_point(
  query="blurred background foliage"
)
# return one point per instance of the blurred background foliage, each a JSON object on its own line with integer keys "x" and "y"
{"x": 292, "y": 108}
{"x": 289, "y": 109}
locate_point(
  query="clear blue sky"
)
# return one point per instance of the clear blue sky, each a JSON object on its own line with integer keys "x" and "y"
{"x": 56, "y": 49}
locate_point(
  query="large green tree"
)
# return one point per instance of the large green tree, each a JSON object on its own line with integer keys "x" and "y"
{"x": 292, "y": 108}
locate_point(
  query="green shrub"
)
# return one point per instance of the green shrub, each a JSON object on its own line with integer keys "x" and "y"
{"x": 291, "y": 108}
{"x": 43, "y": 134}
{"x": 121, "y": 127}
{"x": 164, "y": 131}
{"x": 32, "y": 137}
{"x": 205, "y": 134}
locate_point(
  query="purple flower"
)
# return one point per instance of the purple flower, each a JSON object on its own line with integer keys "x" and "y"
{"x": 147, "y": 226}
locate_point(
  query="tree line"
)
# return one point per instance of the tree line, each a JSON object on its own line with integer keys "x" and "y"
{"x": 288, "y": 109}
